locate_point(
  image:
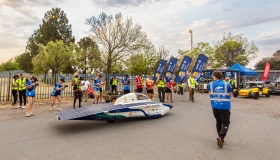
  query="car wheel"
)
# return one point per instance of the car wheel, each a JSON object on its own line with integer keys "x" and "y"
{"x": 235, "y": 94}
{"x": 256, "y": 95}
{"x": 268, "y": 94}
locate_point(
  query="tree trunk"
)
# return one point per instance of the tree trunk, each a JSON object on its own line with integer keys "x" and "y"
{"x": 108, "y": 71}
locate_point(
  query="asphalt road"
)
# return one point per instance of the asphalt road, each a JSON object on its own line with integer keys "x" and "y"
{"x": 187, "y": 132}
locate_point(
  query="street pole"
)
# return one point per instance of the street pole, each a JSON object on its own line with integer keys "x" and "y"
{"x": 191, "y": 32}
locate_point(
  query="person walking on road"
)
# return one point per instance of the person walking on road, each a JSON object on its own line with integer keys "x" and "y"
{"x": 220, "y": 94}
{"x": 161, "y": 88}
{"x": 191, "y": 83}
{"x": 56, "y": 93}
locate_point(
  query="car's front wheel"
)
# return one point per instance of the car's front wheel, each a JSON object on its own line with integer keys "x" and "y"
{"x": 256, "y": 95}
{"x": 268, "y": 94}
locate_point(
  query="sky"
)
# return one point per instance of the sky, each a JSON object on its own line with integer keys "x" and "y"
{"x": 166, "y": 22}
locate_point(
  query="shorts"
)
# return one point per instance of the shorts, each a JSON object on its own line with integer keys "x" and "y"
{"x": 100, "y": 89}
{"x": 56, "y": 94}
{"x": 126, "y": 91}
{"x": 139, "y": 90}
{"x": 97, "y": 93}
{"x": 150, "y": 91}
{"x": 167, "y": 90}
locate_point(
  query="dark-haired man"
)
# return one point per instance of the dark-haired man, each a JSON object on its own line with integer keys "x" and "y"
{"x": 22, "y": 91}
{"x": 220, "y": 94}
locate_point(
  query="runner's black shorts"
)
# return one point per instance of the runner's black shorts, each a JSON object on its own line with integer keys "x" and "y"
{"x": 150, "y": 91}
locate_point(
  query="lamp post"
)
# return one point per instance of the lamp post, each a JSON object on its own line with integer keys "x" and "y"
{"x": 191, "y": 32}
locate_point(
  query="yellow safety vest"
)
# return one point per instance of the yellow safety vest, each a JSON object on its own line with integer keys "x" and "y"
{"x": 15, "y": 85}
{"x": 115, "y": 82}
{"x": 161, "y": 83}
{"x": 232, "y": 83}
{"x": 180, "y": 85}
{"x": 192, "y": 82}
{"x": 143, "y": 83}
{"x": 77, "y": 82}
{"x": 22, "y": 84}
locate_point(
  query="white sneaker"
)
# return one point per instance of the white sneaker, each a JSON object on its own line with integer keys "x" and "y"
{"x": 18, "y": 106}
{"x": 23, "y": 107}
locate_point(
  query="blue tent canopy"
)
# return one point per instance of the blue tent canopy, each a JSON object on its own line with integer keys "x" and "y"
{"x": 243, "y": 70}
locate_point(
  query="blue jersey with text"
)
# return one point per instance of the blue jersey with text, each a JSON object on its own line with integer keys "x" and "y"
{"x": 96, "y": 84}
{"x": 56, "y": 92}
{"x": 126, "y": 87}
{"x": 30, "y": 92}
{"x": 219, "y": 94}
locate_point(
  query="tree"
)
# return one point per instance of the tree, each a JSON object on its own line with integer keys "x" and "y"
{"x": 54, "y": 56}
{"x": 24, "y": 62}
{"x": 117, "y": 38}
{"x": 87, "y": 55}
{"x": 234, "y": 48}
{"x": 54, "y": 27}
{"x": 9, "y": 66}
{"x": 274, "y": 62}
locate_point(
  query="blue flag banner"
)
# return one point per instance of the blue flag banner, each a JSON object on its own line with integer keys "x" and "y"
{"x": 170, "y": 68}
{"x": 183, "y": 69}
{"x": 159, "y": 70}
{"x": 199, "y": 65}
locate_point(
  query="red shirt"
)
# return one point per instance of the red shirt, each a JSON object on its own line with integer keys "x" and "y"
{"x": 138, "y": 82}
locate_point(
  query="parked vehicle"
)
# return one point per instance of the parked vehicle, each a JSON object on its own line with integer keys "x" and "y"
{"x": 253, "y": 89}
{"x": 275, "y": 87}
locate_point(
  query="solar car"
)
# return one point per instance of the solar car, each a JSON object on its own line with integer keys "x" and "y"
{"x": 130, "y": 105}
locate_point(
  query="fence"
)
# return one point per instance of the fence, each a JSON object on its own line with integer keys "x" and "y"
{"x": 46, "y": 85}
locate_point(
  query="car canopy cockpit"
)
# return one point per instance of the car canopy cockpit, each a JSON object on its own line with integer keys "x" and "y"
{"x": 132, "y": 98}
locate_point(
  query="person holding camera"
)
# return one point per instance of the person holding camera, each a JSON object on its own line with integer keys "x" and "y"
{"x": 126, "y": 85}
{"x": 15, "y": 87}
{"x": 97, "y": 84}
{"x": 161, "y": 88}
{"x": 76, "y": 83}
{"x": 85, "y": 87}
{"x": 30, "y": 94}
{"x": 56, "y": 93}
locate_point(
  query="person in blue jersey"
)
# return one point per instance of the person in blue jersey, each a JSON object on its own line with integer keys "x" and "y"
{"x": 30, "y": 94}
{"x": 126, "y": 84}
{"x": 56, "y": 93}
{"x": 96, "y": 85}
{"x": 220, "y": 94}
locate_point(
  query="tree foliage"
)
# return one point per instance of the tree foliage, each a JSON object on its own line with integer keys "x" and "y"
{"x": 234, "y": 48}
{"x": 117, "y": 37}
{"x": 9, "y": 66}
{"x": 87, "y": 55}
{"x": 54, "y": 27}
{"x": 274, "y": 62}
{"x": 55, "y": 56}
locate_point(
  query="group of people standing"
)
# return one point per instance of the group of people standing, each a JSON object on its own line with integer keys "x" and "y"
{"x": 25, "y": 90}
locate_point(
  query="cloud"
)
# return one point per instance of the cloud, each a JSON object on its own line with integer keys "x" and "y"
{"x": 260, "y": 20}
{"x": 122, "y": 3}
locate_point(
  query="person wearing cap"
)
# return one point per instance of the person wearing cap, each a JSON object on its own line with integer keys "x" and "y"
{"x": 139, "y": 84}
{"x": 126, "y": 84}
{"x": 56, "y": 93}
{"x": 15, "y": 88}
{"x": 161, "y": 88}
{"x": 191, "y": 83}
{"x": 220, "y": 95}
{"x": 76, "y": 83}
{"x": 30, "y": 94}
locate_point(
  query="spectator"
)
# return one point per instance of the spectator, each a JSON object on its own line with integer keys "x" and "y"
{"x": 56, "y": 93}
{"x": 85, "y": 85}
{"x": 30, "y": 93}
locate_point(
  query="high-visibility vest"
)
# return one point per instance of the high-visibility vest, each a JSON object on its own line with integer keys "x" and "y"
{"x": 219, "y": 97}
{"x": 115, "y": 82}
{"x": 161, "y": 83}
{"x": 77, "y": 83}
{"x": 232, "y": 83}
{"x": 150, "y": 83}
{"x": 180, "y": 85}
{"x": 15, "y": 85}
{"x": 22, "y": 84}
{"x": 192, "y": 82}
{"x": 143, "y": 82}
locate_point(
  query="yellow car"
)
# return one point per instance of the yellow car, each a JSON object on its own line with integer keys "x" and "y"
{"x": 253, "y": 89}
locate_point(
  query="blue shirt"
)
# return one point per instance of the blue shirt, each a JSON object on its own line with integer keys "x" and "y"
{"x": 30, "y": 92}
{"x": 219, "y": 94}
{"x": 57, "y": 92}
{"x": 96, "y": 84}
{"x": 126, "y": 87}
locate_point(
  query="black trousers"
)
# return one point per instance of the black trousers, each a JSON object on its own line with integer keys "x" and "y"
{"x": 22, "y": 94}
{"x": 14, "y": 93}
{"x": 180, "y": 90}
{"x": 161, "y": 93}
{"x": 222, "y": 117}
{"x": 78, "y": 95}
{"x": 126, "y": 91}
{"x": 114, "y": 88}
